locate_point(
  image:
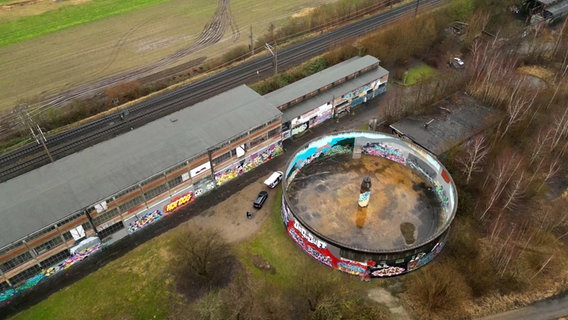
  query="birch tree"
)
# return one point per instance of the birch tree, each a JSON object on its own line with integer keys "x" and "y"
{"x": 474, "y": 154}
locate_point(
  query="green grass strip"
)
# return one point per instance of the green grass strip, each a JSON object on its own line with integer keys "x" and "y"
{"x": 67, "y": 17}
{"x": 418, "y": 73}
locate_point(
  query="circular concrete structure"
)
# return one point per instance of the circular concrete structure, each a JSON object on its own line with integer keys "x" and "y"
{"x": 367, "y": 203}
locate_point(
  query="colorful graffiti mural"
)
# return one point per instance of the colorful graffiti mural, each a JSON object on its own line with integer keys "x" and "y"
{"x": 352, "y": 267}
{"x": 248, "y": 163}
{"x": 203, "y": 187}
{"x": 313, "y": 246}
{"x": 385, "y": 271}
{"x": 336, "y": 146}
{"x": 67, "y": 263}
{"x": 384, "y": 150}
{"x": 422, "y": 258}
{"x": 145, "y": 220}
{"x": 179, "y": 201}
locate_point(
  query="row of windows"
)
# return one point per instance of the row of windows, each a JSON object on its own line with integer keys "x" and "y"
{"x": 150, "y": 194}
{"x": 10, "y": 248}
{"x": 25, "y": 275}
{"x": 151, "y": 179}
{"x": 16, "y": 261}
{"x": 51, "y": 261}
{"x": 112, "y": 229}
{"x": 40, "y": 233}
{"x": 131, "y": 203}
{"x": 222, "y": 158}
{"x": 4, "y": 286}
{"x": 69, "y": 219}
{"x": 48, "y": 245}
{"x": 105, "y": 216}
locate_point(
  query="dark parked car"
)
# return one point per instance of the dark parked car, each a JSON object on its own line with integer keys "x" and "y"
{"x": 260, "y": 199}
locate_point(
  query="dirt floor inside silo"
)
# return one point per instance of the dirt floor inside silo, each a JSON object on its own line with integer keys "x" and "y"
{"x": 403, "y": 209}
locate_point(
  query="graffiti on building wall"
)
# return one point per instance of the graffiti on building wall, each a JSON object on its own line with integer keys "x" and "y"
{"x": 144, "y": 221}
{"x": 337, "y": 145}
{"x": 284, "y": 212}
{"x": 315, "y": 247}
{"x": 352, "y": 267}
{"x": 78, "y": 256}
{"x": 359, "y": 92}
{"x": 384, "y": 150}
{"x": 442, "y": 195}
{"x": 178, "y": 202}
{"x": 385, "y": 271}
{"x": 248, "y": 163}
{"x": 299, "y": 129}
{"x": 203, "y": 187}
{"x": 422, "y": 258}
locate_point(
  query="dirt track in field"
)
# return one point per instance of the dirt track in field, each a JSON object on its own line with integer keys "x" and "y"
{"x": 212, "y": 33}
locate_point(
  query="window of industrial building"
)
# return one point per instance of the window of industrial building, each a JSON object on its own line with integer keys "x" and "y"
{"x": 258, "y": 128}
{"x": 10, "y": 247}
{"x": 16, "y": 261}
{"x": 176, "y": 167}
{"x": 175, "y": 181}
{"x": 69, "y": 219}
{"x": 40, "y": 233}
{"x": 257, "y": 141}
{"x": 222, "y": 158}
{"x": 112, "y": 229}
{"x": 87, "y": 226}
{"x": 152, "y": 179}
{"x": 48, "y": 245}
{"x": 4, "y": 286}
{"x": 156, "y": 191}
{"x": 25, "y": 275}
{"x": 67, "y": 235}
{"x": 274, "y": 132}
{"x": 105, "y": 216}
{"x": 130, "y": 204}
{"x": 54, "y": 259}
{"x": 239, "y": 137}
{"x": 125, "y": 192}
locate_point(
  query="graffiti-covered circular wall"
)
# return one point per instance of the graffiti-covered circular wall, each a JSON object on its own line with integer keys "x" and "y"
{"x": 367, "y": 203}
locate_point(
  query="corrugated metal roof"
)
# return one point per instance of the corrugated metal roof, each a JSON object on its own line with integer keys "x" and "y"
{"x": 447, "y": 129}
{"x": 558, "y": 10}
{"x": 319, "y": 80}
{"x": 45, "y": 195}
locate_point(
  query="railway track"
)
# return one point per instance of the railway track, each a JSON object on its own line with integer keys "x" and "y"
{"x": 33, "y": 156}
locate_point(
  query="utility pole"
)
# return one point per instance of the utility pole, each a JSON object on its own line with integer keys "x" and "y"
{"x": 274, "y": 56}
{"x": 416, "y": 10}
{"x": 251, "y": 42}
{"x": 29, "y": 122}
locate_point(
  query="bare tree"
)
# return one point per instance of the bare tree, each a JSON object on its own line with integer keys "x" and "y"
{"x": 505, "y": 168}
{"x": 560, "y": 130}
{"x": 203, "y": 261}
{"x": 474, "y": 153}
{"x": 519, "y": 105}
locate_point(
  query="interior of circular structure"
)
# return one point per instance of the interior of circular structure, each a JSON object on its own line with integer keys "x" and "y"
{"x": 403, "y": 209}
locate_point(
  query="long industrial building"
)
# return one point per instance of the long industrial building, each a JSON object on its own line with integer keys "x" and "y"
{"x": 56, "y": 215}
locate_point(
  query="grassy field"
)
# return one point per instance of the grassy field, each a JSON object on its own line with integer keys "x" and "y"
{"x": 130, "y": 36}
{"x": 16, "y": 28}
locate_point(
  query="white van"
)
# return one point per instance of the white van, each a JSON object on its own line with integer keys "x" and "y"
{"x": 274, "y": 179}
